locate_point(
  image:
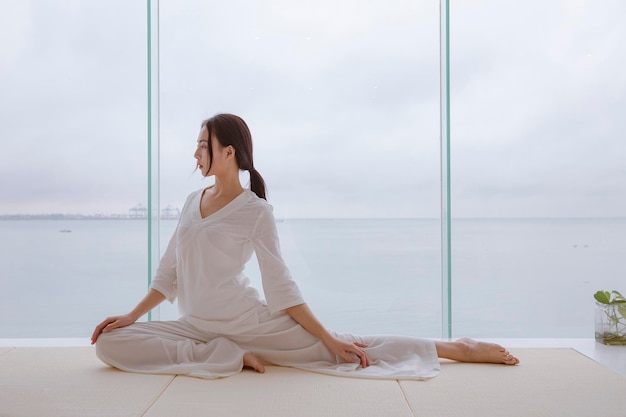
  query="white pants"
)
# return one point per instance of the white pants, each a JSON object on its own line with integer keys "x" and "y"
{"x": 178, "y": 347}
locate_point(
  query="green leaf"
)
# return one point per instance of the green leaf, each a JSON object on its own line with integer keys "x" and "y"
{"x": 603, "y": 297}
{"x": 622, "y": 310}
{"x": 617, "y": 295}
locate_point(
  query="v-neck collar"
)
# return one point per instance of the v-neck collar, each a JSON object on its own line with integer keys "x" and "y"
{"x": 230, "y": 207}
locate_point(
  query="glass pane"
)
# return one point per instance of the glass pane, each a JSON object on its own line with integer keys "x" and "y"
{"x": 73, "y": 82}
{"x": 343, "y": 103}
{"x": 539, "y": 187}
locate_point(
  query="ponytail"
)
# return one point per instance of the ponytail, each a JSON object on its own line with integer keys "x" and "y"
{"x": 257, "y": 184}
{"x": 231, "y": 130}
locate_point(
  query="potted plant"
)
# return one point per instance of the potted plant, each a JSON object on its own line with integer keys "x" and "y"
{"x": 610, "y": 320}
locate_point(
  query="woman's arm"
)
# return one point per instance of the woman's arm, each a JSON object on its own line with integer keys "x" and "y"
{"x": 278, "y": 286}
{"x": 151, "y": 300}
{"x": 282, "y": 293}
{"x": 305, "y": 317}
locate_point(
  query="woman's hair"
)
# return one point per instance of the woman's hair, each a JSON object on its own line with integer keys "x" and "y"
{"x": 231, "y": 130}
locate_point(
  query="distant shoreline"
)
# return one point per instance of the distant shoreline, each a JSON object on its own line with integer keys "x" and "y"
{"x": 166, "y": 217}
{"x": 77, "y": 217}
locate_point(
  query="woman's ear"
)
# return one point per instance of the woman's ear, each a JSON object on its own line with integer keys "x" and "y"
{"x": 230, "y": 152}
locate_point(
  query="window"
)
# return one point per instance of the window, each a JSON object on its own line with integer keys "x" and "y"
{"x": 537, "y": 165}
{"x": 342, "y": 101}
{"x": 72, "y": 165}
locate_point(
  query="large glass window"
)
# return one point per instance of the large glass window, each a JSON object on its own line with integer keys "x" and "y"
{"x": 72, "y": 165}
{"x": 343, "y": 103}
{"x": 538, "y": 184}
{"x": 342, "y": 100}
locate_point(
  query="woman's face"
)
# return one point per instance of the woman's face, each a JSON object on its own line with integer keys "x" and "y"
{"x": 202, "y": 152}
{"x": 203, "y": 158}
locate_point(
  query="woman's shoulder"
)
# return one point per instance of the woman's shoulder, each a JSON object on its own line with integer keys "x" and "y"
{"x": 190, "y": 198}
{"x": 194, "y": 194}
{"x": 257, "y": 203}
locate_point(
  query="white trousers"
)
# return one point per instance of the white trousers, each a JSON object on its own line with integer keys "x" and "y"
{"x": 178, "y": 347}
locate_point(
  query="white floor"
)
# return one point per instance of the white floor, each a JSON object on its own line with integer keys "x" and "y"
{"x": 613, "y": 357}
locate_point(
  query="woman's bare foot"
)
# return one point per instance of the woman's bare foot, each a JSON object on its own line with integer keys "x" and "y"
{"x": 468, "y": 350}
{"x": 251, "y": 361}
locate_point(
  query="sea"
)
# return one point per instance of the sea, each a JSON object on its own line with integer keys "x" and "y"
{"x": 517, "y": 278}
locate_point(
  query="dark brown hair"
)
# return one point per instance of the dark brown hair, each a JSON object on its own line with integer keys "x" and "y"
{"x": 231, "y": 130}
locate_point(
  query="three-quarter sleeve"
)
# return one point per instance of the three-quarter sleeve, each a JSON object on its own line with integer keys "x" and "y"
{"x": 164, "y": 280}
{"x": 280, "y": 290}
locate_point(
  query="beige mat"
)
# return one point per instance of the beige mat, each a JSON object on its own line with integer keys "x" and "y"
{"x": 5, "y": 350}
{"x": 282, "y": 392}
{"x": 67, "y": 382}
{"x": 547, "y": 383}
{"x": 72, "y": 382}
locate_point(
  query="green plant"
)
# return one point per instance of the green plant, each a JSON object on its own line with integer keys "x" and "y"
{"x": 611, "y": 324}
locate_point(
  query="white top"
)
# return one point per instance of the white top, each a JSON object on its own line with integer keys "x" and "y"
{"x": 204, "y": 262}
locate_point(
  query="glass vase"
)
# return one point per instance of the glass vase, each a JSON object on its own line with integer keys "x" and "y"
{"x": 610, "y": 323}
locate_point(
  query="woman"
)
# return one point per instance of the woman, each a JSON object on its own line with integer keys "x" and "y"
{"x": 224, "y": 325}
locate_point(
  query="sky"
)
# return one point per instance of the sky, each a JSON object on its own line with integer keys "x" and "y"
{"x": 342, "y": 98}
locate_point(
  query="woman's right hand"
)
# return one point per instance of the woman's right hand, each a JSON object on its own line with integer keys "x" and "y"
{"x": 111, "y": 323}
{"x": 151, "y": 300}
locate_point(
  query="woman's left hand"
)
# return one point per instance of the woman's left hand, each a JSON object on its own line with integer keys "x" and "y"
{"x": 347, "y": 349}
{"x": 304, "y": 316}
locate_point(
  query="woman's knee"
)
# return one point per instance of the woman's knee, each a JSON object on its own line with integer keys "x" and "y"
{"x": 106, "y": 347}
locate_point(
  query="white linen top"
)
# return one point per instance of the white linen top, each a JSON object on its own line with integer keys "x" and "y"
{"x": 204, "y": 263}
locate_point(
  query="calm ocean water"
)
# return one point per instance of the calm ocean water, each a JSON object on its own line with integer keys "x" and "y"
{"x": 511, "y": 277}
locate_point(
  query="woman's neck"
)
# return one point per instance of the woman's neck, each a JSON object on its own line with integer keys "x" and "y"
{"x": 229, "y": 186}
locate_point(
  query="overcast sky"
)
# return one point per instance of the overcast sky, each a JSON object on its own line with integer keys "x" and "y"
{"x": 342, "y": 98}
